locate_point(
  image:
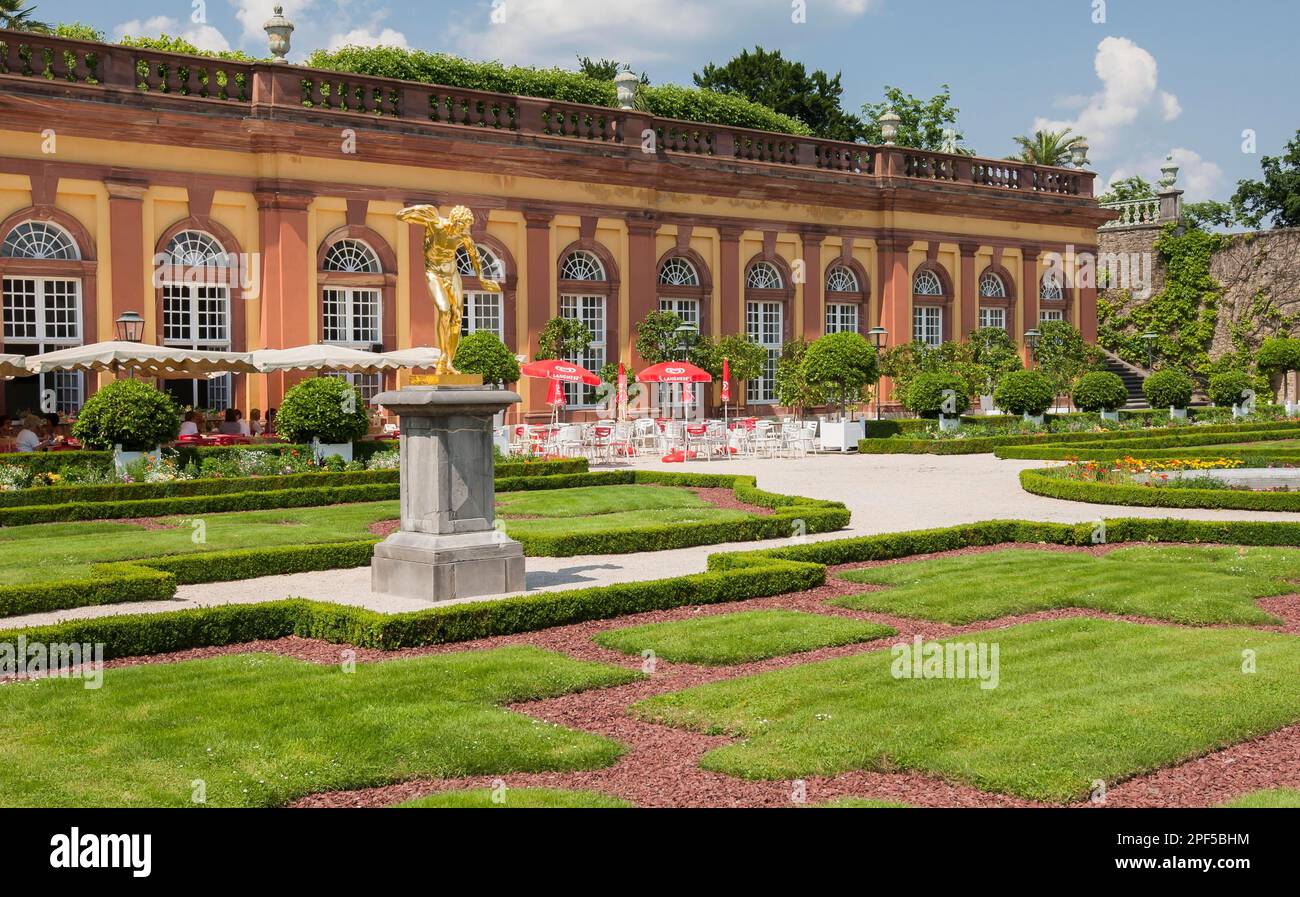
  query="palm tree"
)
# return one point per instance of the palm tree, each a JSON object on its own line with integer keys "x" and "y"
{"x": 17, "y": 18}
{"x": 1046, "y": 147}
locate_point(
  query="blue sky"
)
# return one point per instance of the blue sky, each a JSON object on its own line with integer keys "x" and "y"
{"x": 1156, "y": 76}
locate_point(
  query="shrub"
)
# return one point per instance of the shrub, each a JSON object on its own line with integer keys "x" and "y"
{"x": 1168, "y": 389}
{"x": 482, "y": 352}
{"x": 844, "y": 362}
{"x": 1024, "y": 392}
{"x": 129, "y": 413}
{"x": 326, "y": 408}
{"x": 1099, "y": 391}
{"x": 1278, "y": 354}
{"x": 1226, "y": 389}
{"x": 924, "y": 394}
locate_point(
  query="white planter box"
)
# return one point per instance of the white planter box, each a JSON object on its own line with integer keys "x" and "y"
{"x": 949, "y": 424}
{"x": 1178, "y": 414}
{"x": 320, "y": 450}
{"x": 1110, "y": 415}
{"x": 841, "y": 435}
{"x": 986, "y": 404}
{"x": 1035, "y": 419}
{"x": 122, "y": 460}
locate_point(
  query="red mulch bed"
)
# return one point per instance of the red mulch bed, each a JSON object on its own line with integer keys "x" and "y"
{"x": 721, "y": 497}
{"x": 661, "y": 766}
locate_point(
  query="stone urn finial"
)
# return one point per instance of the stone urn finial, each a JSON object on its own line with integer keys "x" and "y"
{"x": 1168, "y": 172}
{"x": 278, "y": 29}
{"x": 626, "y": 83}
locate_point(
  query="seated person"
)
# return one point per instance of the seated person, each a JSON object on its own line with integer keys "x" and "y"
{"x": 230, "y": 426}
{"x": 255, "y": 422}
{"x": 190, "y": 424}
{"x": 244, "y": 428}
{"x": 270, "y": 422}
{"x": 30, "y": 438}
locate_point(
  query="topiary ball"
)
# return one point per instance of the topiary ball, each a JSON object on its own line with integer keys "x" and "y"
{"x": 926, "y": 393}
{"x": 1099, "y": 391}
{"x": 129, "y": 413}
{"x": 1168, "y": 389}
{"x": 1024, "y": 392}
{"x": 326, "y": 408}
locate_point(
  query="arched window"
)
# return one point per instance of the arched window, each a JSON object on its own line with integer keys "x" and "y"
{"x": 927, "y": 283}
{"x": 352, "y": 256}
{"x": 992, "y": 287}
{"x": 585, "y": 297}
{"x": 1049, "y": 287}
{"x": 582, "y": 265}
{"x": 764, "y": 276}
{"x": 484, "y": 309}
{"x": 42, "y": 309}
{"x": 678, "y": 272}
{"x": 40, "y": 240}
{"x": 196, "y": 310}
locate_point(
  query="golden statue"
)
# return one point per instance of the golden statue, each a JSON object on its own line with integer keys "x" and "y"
{"x": 442, "y": 238}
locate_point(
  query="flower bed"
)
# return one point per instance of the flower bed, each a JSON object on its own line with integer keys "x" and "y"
{"x": 1159, "y": 483}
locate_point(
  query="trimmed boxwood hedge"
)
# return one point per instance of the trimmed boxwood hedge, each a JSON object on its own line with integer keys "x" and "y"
{"x": 1053, "y": 485}
{"x": 734, "y": 576}
{"x": 1144, "y": 446}
{"x": 117, "y": 583}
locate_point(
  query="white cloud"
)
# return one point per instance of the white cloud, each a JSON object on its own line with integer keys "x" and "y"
{"x": 1129, "y": 88}
{"x": 205, "y": 37}
{"x": 364, "y": 37}
{"x": 854, "y": 7}
{"x": 1199, "y": 178}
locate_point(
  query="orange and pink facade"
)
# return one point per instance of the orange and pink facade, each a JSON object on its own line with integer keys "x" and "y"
{"x": 242, "y": 206}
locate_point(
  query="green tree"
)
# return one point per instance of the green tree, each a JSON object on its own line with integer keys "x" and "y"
{"x": 79, "y": 31}
{"x": 1129, "y": 188}
{"x": 844, "y": 363}
{"x": 793, "y": 389}
{"x": 606, "y": 69}
{"x": 482, "y": 352}
{"x": 922, "y": 122}
{"x": 766, "y": 77}
{"x": 657, "y": 339}
{"x": 326, "y": 408}
{"x": 1275, "y": 199}
{"x": 129, "y": 413}
{"x": 745, "y": 357}
{"x": 1209, "y": 213}
{"x": 563, "y": 338}
{"x": 16, "y": 17}
{"x": 1062, "y": 354}
{"x": 994, "y": 355}
{"x": 1046, "y": 147}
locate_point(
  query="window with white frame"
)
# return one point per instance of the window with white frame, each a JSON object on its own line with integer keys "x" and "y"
{"x": 590, "y": 310}
{"x": 765, "y": 325}
{"x": 42, "y": 314}
{"x": 678, "y": 272}
{"x": 841, "y": 317}
{"x": 927, "y": 283}
{"x": 764, "y": 276}
{"x": 369, "y": 385}
{"x": 491, "y": 266}
{"x": 351, "y": 256}
{"x": 483, "y": 310}
{"x": 842, "y": 279}
{"x": 1050, "y": 287}
{"x": 196, "y": 314}
{"x": 993, "y": 317}
{"x": 1051, "y": 314}
{"x": 927, "y": 324}
{"x": 352, "y": 317}
{"x": 992, "y": 287}
{"x": 582, "y": 265}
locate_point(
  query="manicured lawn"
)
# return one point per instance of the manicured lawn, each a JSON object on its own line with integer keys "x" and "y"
{"x": 723, "y": 639}
{"x": 1268, "y": 798}
{"x": 557, "y": 512}
{"x": 261, "y": 729}
{"x": 1077, "y": 700}
{"x": 48, "y": 551}
{"x": 863, "y": 803}
{"x": 520, "y": 798}
{"x": 1182, "y": 585}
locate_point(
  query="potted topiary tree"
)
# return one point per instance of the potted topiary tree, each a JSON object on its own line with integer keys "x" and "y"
{"x": 1235, "y": 389}
{"x": 937, "y": 395}
{"x": 844, "y": 363}
{"x": 1279, "y": 355}
{"x": 129, "y": 417}
{"x": 327, "y": 412}
{"x": 1169, "y": 389}
{"x": 1100, "y": 391}
{"x": 1027, "y": 393}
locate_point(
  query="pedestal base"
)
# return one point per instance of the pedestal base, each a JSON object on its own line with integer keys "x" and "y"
{"x": 445, "y": 567}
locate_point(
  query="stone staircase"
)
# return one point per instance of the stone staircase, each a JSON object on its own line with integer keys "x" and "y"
{"x": 1132, "y": 377}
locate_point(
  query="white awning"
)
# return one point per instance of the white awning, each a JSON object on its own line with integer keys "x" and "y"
{"x": 13, "y": 366}
{"x": 418, "y": 357}
{"x": 143, "y": 358}
{"x": 323, "y": 357}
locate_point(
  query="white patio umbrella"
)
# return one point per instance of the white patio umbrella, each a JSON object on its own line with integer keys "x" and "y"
{"x": 13, "y": 366}
{"x": 417, "y": 357}
{"x": 323, "y": 357}
{"x": 142, "y": 358}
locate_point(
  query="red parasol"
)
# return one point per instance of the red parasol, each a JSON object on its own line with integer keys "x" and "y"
{"x": 560, "y": 371}
{"x": 555, "y": 394}
{"x": 726, "y": 381}
{"x": 674, "y": 372}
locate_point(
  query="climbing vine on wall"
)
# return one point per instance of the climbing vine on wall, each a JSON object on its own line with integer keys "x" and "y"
{"x": 1182, "y": 315}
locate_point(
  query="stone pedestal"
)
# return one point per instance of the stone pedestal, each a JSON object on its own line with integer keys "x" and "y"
{"x": 448, "y": 546}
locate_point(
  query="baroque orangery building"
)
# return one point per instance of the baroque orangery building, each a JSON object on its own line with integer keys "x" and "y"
{"x": 240, "y": 206}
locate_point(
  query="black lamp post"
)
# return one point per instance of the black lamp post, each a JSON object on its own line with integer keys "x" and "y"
{"x": 1150, "y": 339}
{"x": 878, "y": 336}
{"x": 130, "y": 327}
{"x": 1031, "y": 340}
